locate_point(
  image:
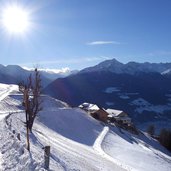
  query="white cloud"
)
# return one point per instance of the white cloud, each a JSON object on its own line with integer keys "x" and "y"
{"x": 103, "y": 43}
{"x": 50, "y": 70}
{"x": 101, "y": 58}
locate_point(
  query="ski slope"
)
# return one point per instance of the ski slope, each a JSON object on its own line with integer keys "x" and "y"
{"x": 77, "y": 141}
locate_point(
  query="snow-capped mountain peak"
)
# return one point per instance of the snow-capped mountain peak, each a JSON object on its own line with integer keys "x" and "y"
{"x": 129, "y": 68}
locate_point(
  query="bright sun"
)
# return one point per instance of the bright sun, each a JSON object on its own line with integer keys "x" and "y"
{"x": 15, "y": 19}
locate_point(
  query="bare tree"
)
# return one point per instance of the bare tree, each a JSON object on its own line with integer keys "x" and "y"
{"x": 31, "y": 100}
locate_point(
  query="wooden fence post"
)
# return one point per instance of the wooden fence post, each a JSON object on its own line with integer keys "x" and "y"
{"x": 47, "y": 155}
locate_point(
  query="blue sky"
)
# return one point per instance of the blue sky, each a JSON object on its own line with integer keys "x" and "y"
{"x": 81, "y": 33}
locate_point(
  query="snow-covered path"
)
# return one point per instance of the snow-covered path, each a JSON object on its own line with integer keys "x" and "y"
{"x": 98, "y": 142}
{"x": 5, "y": 90}
{"x": 97, "y": 147}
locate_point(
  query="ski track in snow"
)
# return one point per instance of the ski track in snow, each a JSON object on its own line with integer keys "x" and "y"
{"x": 97, "y": 147}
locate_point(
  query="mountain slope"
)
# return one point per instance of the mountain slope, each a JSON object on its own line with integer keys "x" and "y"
{"x": 135, "y": 94}
{"x": 70, "y": 133}
{"x": 139, "y": 152}
{"x": 78, "y": 142}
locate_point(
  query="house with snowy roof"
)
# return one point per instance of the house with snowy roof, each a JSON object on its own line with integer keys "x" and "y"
{"x": 104, "y": 115}
{"x": 89, "y": 107}
{"x": 95, "y": 111}
{"x": 119, "y": 116}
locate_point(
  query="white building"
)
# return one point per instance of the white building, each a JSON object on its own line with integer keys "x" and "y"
{"x": 119, "y": 115}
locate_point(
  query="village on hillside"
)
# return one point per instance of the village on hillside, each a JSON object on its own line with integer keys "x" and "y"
{"x": 111, "y": 116}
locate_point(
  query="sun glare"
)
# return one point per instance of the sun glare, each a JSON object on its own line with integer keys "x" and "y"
{"x": 15, "y": 19}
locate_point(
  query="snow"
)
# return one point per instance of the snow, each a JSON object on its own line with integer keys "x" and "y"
{"x": 158, "y": 108}
{"x": 109, "y": 103}
{"x": 111, "y": 90}
{"x": 144, "y": 105}
{"x": 114, "y": 112}
{"x": 98, "y": 148}
{"x": 89, "y": 106}
{"x": 5, "y": 90}
{"x": 139, "y": 152}
{"x": 77, "y": 141}
{"x": 140, "y": 102}
{"x": 168, "y": 71}
{"x": 124, "y": 97}
{"x": 131, "y": 94}
{"x": 71, "y": 133}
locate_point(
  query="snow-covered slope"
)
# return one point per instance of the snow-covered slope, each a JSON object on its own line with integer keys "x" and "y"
{"x": 78, "y": 142}
{"x": 139, "y": 152}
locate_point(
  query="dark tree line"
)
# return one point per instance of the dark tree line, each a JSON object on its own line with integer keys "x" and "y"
{"x": 165, "y": 138}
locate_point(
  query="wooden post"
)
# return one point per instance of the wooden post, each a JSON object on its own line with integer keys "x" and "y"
{"x": 28, "y": 141}
{"x": 47, "y": 155}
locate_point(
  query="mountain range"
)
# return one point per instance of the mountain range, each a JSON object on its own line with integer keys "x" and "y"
{"x": 130, "y": 68}
{"x": 143, "y": 90}
{"x": 13, "y": 74}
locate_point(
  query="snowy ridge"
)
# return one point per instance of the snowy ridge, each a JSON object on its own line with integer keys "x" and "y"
{"x": 115, "y": 66}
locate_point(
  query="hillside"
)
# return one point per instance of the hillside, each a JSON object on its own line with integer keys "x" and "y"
{"x": 78, "y": 142}
{"x": 144, "y": 96}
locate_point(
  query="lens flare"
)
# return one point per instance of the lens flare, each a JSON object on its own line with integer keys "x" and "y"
{"x": 15, "y": 19}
